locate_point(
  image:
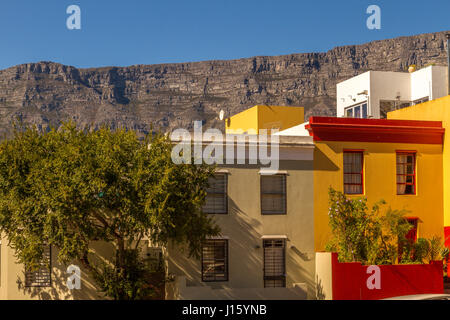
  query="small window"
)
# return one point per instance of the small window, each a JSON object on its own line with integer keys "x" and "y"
{"x": 273, "y": 194}
{"x": 364, "y": 111}
{"x": 411, "y": 236}
{"x": 353, "y": 172}
{"x": 406, "y": 173}
{"x": 421, "y": 100}
{"x": 358, "y": 111}
{"x": 41, "y": 277}
{"x": 274, "y": 263}
{"x": 215, "y": 260}
{"x": 216, "y": 198}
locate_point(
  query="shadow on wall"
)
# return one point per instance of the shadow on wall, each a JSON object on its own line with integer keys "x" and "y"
{"x": 245, "y": 260}
{"x": 302, "y": 274}
{"x": 245, "y": 265}
{"x": 59, "y": 289}
{"x": 322, "y": 162}
{"x": 320, "y": 293}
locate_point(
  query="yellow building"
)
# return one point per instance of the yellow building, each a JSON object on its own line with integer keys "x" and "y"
{"x": 399, "y": 161}
{"x": 264, "y": 117}
{"x": 438, "y": 110}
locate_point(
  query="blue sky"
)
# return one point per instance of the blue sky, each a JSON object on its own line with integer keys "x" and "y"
{"x": 131, "y": 32}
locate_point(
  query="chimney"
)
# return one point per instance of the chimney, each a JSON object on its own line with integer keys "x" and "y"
{"x": 448, "y": 62}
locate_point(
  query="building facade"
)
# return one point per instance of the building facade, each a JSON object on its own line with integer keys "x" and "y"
{"x": 374, "y": 93}
{"x": 436, "y": 110}
{"x": 262, "y": 117}
{"x": 16, "y": 283}
{"x": 266, "y": 247}
{"x": 399, "y": 161}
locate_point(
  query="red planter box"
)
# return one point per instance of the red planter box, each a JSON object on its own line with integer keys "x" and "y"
{"x": 353, "y": 281}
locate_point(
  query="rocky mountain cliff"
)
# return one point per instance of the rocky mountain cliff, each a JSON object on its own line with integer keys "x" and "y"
{"x": 168, "y": 96}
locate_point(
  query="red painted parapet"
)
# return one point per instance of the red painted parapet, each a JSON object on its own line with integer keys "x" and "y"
{"x": 447, "y": 236}
{"x": 353, "y": 281}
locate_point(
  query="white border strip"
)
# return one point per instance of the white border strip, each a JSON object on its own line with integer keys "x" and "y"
{"x": 271, "y": 172}
{"x": 274, "y": 237}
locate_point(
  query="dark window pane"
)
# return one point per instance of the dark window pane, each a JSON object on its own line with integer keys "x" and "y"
{"x": 364, "y": 111}
{"x": 41, "y": 277}
{"x": 273, "y": 194}
{"x": 353, "y": 171}
{"x": 215, "y": 260}
{"x": 274, "y": 263}
{"x": 358, "y": 112}
{"x": 406, "y": 175}
{"x": 216, "y": 199}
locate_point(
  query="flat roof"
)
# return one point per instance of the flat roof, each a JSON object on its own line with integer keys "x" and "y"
{"x": 288, "y": 141}
{"x": 375, "y": 130}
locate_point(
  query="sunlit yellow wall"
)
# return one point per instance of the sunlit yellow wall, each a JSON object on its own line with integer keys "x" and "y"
{"x": 246, "y": 120}
{"x": 438, "y": 110}
{"x": 265, "y": 117}
{"x": 380, "y": 183}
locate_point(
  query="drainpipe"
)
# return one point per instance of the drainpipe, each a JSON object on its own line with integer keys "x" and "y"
{"x": 448, "y": 62}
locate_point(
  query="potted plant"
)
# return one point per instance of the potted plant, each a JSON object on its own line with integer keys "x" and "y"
{"x": 412, "y": 68}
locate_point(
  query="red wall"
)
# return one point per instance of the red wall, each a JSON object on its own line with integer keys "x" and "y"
{"x": 447, "y": 236}
{"x": 350, "y": 280}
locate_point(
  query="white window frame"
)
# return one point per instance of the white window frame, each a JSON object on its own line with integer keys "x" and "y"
{"x": 352, "y": 108}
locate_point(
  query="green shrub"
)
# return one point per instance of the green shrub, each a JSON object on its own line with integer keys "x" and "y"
{"x": 360, "y": 235}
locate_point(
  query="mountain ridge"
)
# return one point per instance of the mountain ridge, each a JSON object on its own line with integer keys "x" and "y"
{"x": 172, "y": 95}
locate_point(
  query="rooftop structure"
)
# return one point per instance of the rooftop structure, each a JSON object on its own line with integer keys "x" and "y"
{"x": 374, "y": 93}
{"x": 261, "y": 117}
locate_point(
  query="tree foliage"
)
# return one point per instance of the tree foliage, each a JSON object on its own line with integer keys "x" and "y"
{"x": 69, "y": 187}
{"x": 370, "y": 237}
{"x": 360, "y": 235}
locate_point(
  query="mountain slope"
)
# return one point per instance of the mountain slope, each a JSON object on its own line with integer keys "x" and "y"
{"x": 168, "y": 96}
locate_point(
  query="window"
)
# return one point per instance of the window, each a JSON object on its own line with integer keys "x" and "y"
{"x": 217, "y": 199}
{"x": 421, "y": 100}
{"x": 274, "y": 263}
{"x": 358, "y": 111}
{"x": 353, "y": 172}
{"x": 215, "y": 260}
{"x": 406, "y": 173}
{"x": 390, "y": 105}
{"x": 41, "y": 277}
{"x": 273, "y": 194}
{"x": 411, "y": 236}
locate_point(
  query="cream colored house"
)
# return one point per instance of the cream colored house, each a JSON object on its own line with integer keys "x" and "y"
{"x": 266, "y": 247}
{"x": 17, "y": 284}
{"x": 265, "y": 251}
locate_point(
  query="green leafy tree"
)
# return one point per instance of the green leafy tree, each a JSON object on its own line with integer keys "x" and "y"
{"x": 360, "y": 235}
{"x": 351, "y": 224}
{"x": 70, "y": 187}
{"x": 394, "y": 228}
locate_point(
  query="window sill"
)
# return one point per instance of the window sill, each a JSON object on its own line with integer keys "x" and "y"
{"x": 274, "y": 214}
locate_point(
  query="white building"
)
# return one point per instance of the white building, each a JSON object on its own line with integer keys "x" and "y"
{"x": 374, "y": 93}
